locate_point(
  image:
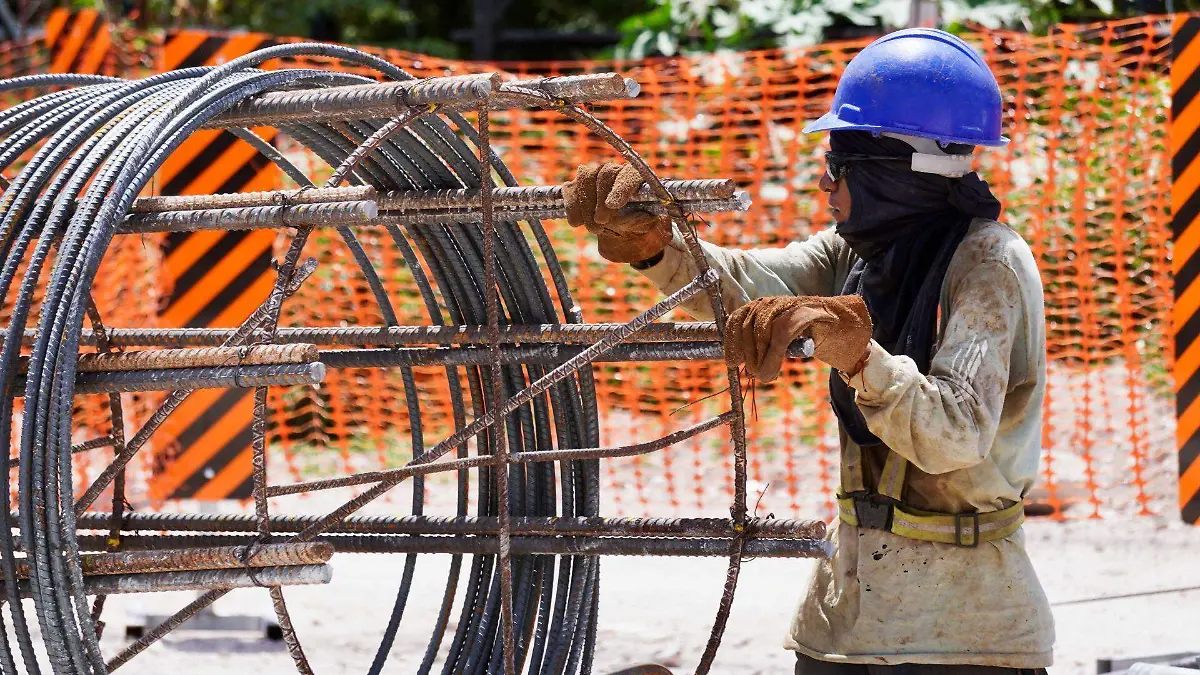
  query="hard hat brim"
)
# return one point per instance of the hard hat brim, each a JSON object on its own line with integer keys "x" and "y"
{"x": 831, "y": 122}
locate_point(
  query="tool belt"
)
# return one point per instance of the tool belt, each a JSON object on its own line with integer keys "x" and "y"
{"x": 877, "y": 512}
{"x": 882, "y": 508}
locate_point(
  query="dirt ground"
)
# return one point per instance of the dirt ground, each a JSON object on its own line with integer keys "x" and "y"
{"x": 660, "y": 610}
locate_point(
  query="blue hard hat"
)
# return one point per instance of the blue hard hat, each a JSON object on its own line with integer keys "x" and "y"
{"x": 918, "y": 82}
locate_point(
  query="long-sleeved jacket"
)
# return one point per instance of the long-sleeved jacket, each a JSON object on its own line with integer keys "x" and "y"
{"x": 971, "y": 430}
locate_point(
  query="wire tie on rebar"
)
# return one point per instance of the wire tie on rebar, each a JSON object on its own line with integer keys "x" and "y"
{"x": 744, "y": 532}
{"x": 237, "y": 370}
{"x": 246, "y": 556}
{"x": 289, "y": 200}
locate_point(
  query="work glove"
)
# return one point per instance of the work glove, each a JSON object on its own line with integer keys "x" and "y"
{"x": 759, "y": 332}
{"x": 594, "y": 200}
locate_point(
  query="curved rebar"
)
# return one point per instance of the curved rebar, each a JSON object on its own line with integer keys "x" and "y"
{"x": 532, "y": 418}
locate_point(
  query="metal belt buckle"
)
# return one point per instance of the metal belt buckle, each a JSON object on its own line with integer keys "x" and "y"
{"x": 958, "y": 530}
{"x": 872, "y": 514}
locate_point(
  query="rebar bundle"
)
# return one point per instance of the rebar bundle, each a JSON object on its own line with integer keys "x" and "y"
{"x": 406, "y": 160}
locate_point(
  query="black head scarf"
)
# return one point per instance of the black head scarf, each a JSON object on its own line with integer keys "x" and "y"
{"x": 904, "y": 228}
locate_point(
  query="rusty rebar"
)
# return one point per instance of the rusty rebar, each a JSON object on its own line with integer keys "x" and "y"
{"x": 521, "y": 545}
{"x": 199, "y": 580}
{"x": 365, "y": 214}
{"x": 767, "y": 528}
{"x": 708, "y": 189}
{"x": 378, "y": 101}
{"x": 355, "y": 102}
{"x": 539, "y": 354}
{"x": 199, "y": 357}
{"x": 86, "y": 446}
{"x": 224, "y": 377}
{"x": 578, "y": 333}
{"x": 739, "y": 202}
{"x": 235, "y": 200}
{"x": 331, "y": 214}
{"x": 498, "y": 442}
{"x": 193, "y": 559}
{"x": 581, "y": 88}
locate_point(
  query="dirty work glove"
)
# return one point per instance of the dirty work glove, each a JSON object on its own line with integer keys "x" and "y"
{"x": 595, "y": 198}
{"x": 759, "y": 332}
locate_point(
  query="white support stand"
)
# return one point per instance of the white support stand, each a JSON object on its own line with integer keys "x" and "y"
{"x": 207, "y": 619}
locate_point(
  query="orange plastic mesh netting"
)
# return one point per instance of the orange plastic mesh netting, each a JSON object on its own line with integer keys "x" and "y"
{"x": 1086, "y": 180}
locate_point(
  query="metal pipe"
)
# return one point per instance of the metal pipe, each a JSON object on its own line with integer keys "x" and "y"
{"x": 769, "y": 528}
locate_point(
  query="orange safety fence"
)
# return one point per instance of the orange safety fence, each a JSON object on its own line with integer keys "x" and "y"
{"x": 1086, "y": 180}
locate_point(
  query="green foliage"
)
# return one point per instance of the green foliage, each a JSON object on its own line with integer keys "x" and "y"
{"x": 644, "y": 27}
{"x": 673, "y": 26}
{"x": 414, "y": 25}
{"x": 708, "y": 25}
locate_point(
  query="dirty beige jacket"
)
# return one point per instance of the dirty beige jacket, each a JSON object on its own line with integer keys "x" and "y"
{"x": 971, "y": 431}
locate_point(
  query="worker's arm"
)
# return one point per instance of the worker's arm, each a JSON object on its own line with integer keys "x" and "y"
{"x": 947, "y": 420}
{"x": 800, "y": 268}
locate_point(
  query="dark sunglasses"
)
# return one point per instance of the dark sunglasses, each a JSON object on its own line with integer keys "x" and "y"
{"x": 837, "y": 164}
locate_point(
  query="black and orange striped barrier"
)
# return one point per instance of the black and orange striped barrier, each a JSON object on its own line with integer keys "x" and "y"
{"x": 79, "y": 42}
{"x": 1185, "y": 205}
{"x": 217, "y": 280}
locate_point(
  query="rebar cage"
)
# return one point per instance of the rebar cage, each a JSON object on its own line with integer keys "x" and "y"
{"x": 405, "y": 159}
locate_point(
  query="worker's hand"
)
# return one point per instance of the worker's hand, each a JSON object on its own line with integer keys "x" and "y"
{"x": 759, "y": 332}
{"x": 595, "y": 198}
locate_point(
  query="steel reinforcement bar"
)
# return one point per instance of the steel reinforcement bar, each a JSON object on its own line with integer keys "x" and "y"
{"x": 387, "y": 100}
{"x": 421, "y": 166}
{"x": 521, "y": 545}
{"x": 769, "y": 528}
{"x": 361, "y": 336}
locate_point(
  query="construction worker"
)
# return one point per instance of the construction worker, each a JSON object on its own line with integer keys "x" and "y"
{"x": 930, "y": 314}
